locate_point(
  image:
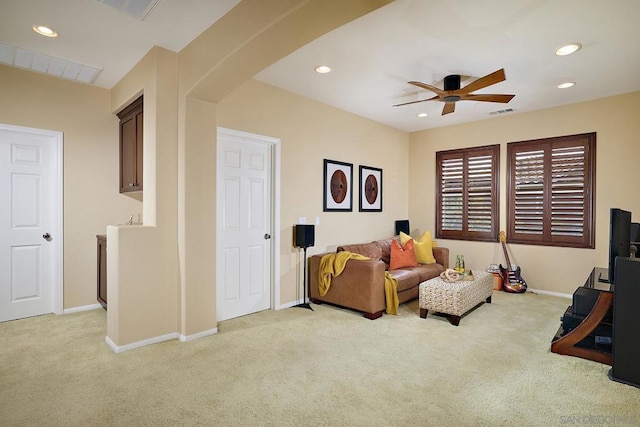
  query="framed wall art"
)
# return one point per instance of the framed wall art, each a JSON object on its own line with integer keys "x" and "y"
{"x": 370, "y": 189}
{"x": 338, "y": 187}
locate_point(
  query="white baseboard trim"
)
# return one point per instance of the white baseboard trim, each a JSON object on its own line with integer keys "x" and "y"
{"x": 554, "y": 294}
{"x": 120, "y": 348}
{"x": 291, "y": 304}
{"x": 81, "y": 308}
{"x": 187, "y": 338}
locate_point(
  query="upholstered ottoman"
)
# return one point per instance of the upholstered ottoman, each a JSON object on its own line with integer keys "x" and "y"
{"x": 456, "y": 298}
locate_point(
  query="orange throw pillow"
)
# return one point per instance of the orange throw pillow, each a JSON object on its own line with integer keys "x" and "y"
{"x": 402, "y": 256}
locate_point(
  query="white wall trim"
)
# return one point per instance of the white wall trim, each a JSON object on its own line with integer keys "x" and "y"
{"x": 120, "y": 348}
{"x": 187, "y": 338}
{"x": 275, "y": 217}
{"x": 167, "y": 337}
{"x": 554, "y": 294}
{"x": 81, "y": 308}
{"x": 289, "y": 304}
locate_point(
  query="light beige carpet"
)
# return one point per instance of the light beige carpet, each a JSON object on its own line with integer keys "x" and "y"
{"x": 327, "y": 367}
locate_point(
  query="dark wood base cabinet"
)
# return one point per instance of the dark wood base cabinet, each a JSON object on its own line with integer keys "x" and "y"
{"x": 102, "y": 270}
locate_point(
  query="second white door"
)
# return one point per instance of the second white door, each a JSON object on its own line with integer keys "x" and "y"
{"x": 244, "y": 210}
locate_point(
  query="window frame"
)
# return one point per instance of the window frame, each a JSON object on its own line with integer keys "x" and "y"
{"x": 465, "y": 153}
{"x": 547, "y": 237}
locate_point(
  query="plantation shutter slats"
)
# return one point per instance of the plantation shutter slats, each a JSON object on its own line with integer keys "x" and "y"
{"x": 550, "y": 187}
{"x": 529, "y": 192}
{"x": 452, "y": 192}
{"x": 480, "y": 191}
{"x": 467, "y": 193}
{"x": 568, "y": 191}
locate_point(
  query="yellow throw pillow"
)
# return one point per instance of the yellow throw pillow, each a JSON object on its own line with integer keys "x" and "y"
{"x": 423, "y": 246}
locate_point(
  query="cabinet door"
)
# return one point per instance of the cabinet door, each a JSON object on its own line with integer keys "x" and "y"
{"x": 102, "y": 270}
{"x": 131, "y": 119}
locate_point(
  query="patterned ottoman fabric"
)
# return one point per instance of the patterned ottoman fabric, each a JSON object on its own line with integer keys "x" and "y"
{"x": 455, "y": 298}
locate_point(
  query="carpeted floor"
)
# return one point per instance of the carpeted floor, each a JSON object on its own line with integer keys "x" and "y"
{"x": 327, "y": 367}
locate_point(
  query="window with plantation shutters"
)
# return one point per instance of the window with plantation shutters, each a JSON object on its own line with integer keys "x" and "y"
{"x": 550, "y": 190}
{"x": 467, "y": 193}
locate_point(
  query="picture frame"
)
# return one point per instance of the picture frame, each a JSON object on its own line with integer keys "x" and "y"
{"x": 370, "y": 189}
{"x": 338, "y": 186}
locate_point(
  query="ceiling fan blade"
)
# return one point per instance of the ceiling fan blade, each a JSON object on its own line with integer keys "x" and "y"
{"x": 482, "y": 82}
{"x": 415, "y": 102}
{"x": 429, "y": 87}
{"x": 449, "y": 107}
{"x": 487, "y": 98}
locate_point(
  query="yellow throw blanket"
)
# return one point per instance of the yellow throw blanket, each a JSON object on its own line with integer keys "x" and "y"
{"x": 332, "y": 265}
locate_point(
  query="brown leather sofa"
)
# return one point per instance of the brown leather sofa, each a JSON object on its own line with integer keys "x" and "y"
{"x": 361, "y": 284}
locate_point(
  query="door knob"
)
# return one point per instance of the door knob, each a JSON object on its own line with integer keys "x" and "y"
{"x": 267, "y": 236}
{"x": 47, "y": 237}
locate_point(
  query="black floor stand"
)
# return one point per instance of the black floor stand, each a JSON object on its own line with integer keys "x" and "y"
{"x": 305, "y": 304}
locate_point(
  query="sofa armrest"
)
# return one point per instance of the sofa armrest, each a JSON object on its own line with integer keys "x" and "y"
{"x": 360, "y": 286}
{"x": 442, "y": 256}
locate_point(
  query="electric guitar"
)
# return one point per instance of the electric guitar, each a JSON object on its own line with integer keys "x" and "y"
{"x": 512, "y": 281}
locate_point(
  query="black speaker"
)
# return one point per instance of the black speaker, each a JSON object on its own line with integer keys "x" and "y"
{"x": 625, "y": 367}
{"x": 402, "y": 225}
{"x": 303, "y": 235}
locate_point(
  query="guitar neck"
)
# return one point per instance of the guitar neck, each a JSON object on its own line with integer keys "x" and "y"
{"x": 506, "y": 255}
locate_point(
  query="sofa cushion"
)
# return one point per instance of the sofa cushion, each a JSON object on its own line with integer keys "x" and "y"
{"x": 402, "y": 256}
{"x": 428, "y": 271}
{"x": 371, "y": 250}
{"x": 424, "y": 247}
{"x": 385, "y": 245}
{"x": 407, "y": 279}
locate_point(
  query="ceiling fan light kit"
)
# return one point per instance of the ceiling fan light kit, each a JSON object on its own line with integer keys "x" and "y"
{"x": 452, "y": 92}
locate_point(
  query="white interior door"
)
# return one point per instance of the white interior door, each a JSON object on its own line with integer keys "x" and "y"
{"x": 29, "y": 222}
{"x": 244, "y": 209}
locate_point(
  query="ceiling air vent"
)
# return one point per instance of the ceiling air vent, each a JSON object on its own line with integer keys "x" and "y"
{"x": 23, "y": 58}
{"x": 139, "y": 9}
{"x": 506, "y": 110}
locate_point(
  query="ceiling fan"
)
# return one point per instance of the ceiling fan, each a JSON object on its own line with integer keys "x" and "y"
{"x": 452, "y": 92}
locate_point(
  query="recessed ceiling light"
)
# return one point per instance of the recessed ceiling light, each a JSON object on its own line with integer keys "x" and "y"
{"x": 422, "y": 115}
{"x": 568, "y": 49}
{"x": 323, "y": 69}
{"x": 44, "y": 31}
{"x": 566, "y": 85}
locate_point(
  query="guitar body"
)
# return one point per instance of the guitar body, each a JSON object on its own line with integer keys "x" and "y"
{"x": 512, "y": 281}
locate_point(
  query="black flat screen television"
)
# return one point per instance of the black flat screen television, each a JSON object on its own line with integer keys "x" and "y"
{"x": 635, "y": 233}
{"x": 619, "y": 238}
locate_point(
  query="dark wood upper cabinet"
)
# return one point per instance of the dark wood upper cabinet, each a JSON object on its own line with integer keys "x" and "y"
{"x": 131, "y": 147}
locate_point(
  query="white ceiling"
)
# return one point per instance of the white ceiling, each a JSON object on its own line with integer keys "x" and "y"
{"x": 373, "y": 57}
{"x": 93, "y": 33}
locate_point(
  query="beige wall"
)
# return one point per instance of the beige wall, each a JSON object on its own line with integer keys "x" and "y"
{"x": 162, "y": 276}
{"x": 310, "y": 132}
{"x": 165, "y": 257}
{"x": 196, "y": 213}
{"x": 560, "y": 270}
{"x": 142, "y": 261}
{"x": 250, "y": 37}
{"x": 91, "y": 198}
